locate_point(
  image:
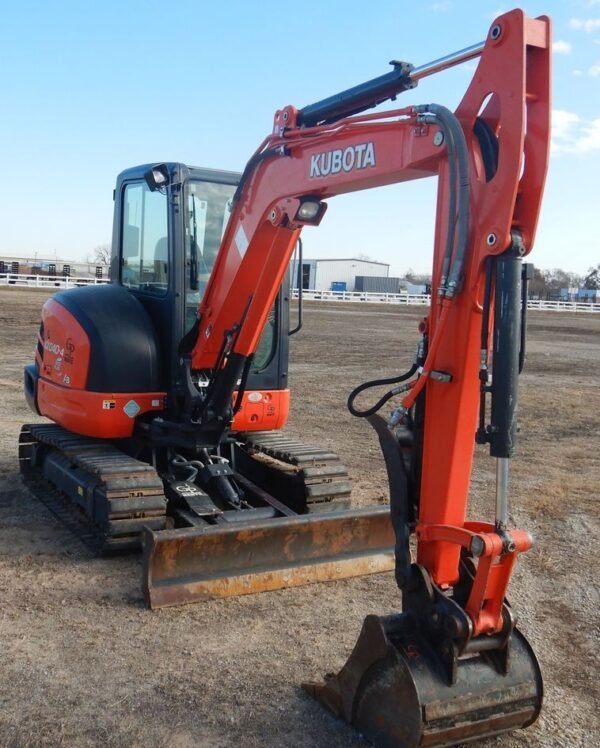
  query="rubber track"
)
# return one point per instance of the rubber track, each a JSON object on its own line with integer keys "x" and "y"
{"x": 127, "y": 493}
{"x": 325, "y": 481}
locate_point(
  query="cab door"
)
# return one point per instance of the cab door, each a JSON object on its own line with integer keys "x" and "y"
{"x": 144, "y": 263}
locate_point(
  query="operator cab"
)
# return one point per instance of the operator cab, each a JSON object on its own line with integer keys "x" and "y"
{"x": 169, "y": 222}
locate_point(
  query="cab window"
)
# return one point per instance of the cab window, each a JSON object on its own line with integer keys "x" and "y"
{"x": 144, "y": 243}
{"x": 266, "y": 344}
{"x": 207, "y": 210}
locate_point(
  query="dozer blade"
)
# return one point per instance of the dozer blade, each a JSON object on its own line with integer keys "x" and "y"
{"x": 393, "y": 690}
{"x": 193, "y": 564}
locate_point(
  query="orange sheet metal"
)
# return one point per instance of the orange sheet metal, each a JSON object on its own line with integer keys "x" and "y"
{"x": 193, "y": 564}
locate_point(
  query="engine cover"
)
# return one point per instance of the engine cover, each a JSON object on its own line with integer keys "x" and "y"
{"x": 97, "y": 363}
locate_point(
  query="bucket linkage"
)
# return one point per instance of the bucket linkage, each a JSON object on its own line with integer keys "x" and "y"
{"x": 411, "y": 682}
{"x": 426, "y": 676}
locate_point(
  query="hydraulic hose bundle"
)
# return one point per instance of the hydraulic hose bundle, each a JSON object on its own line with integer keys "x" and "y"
{"x": 458, "y": 222}
{"x": 454, "y": 255}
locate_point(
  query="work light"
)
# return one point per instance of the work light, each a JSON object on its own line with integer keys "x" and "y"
{"x": 311, "y": 211}
{"x": 157, "y": 177}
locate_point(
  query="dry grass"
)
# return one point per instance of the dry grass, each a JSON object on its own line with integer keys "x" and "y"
{"x": 84, "y": 664}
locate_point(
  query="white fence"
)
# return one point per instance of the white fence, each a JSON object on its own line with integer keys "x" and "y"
{"x": 58, "y": 281}
{"x": 563, "y": 306}
{"x": 47, "y": 281}
{"x": 369, "y": 298}
{"x": 425, "y": 300}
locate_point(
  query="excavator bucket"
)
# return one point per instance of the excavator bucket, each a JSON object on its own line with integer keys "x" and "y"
{"x": 393, "y": 690}
{"x": 192, "y": 564}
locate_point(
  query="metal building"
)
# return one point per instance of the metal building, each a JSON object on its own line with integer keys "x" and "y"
{"x": 377, "y": 284}
{"x": 328, "y": 274}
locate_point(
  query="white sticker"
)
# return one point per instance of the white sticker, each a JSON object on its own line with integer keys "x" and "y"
{"x": 109, "y": 404}
{"x": 255, "y": 397}
{"x": 53, "y": 347}
{"x": 241, "y": 241}
{"x": 131, "y": 409}
{"x": 155, "y": 403}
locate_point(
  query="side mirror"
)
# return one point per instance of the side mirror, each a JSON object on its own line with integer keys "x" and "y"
{"x": 157, "y": 178}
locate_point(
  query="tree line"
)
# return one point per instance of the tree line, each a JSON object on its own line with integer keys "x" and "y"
{"x": 545, "y": 284}
{"x": 549, "y": 283}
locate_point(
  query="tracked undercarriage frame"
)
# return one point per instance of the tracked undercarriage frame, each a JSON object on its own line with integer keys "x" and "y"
{"x": 111, "y": 495}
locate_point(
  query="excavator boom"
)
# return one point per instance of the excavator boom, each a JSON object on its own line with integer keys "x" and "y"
{"x": 490, "y": 183}
{"x": 452, "y": 666}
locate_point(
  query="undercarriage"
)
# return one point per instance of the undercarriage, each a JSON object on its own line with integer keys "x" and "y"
{"x": 275, "y": 514}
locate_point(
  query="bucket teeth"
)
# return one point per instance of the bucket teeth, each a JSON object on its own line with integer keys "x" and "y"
{"x": 393, "y": 690}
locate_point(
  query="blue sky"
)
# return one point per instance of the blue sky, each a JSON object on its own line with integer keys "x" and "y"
{"x": 89, "y": 89}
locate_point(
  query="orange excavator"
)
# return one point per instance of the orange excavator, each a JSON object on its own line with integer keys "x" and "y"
{"x": 168, "y": 388}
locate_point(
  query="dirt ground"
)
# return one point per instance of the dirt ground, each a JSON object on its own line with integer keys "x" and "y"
{"x": 83, "y": 663}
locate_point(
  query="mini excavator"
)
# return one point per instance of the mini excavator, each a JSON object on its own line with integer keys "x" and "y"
{"x": 168, "y": 389}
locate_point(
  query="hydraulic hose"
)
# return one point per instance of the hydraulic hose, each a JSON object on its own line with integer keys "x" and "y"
{"x": 242, "y": 385}
{"x": 451, "y": 232}
{"x": 411, "y": 397}
{"x": 250, "y": 167}
{"x": 457, "y": 144}
{"x": 443, "y": 117}
{"x": 192, "y": 465}
{"x": 454, "y": 253}
{"x": 383, "y": 400}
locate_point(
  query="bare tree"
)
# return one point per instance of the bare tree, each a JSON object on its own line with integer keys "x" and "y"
{"x": 592, "y": 279}
{"x": 417, "y": 279}
{"x": 101, "y": 254}
{"x": 558, "y": 279}
{"x": 538, "y": 284}
{"x": 551, "y": 283}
